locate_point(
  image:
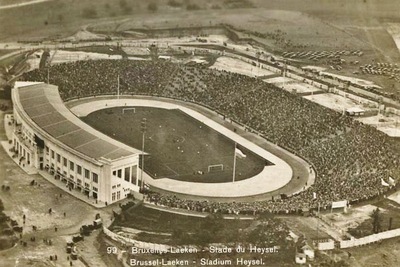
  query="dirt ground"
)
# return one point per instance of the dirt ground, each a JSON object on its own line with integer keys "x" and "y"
{"x": 34, "y": 202}
{"x": 352, "y": 218}
{"x": 238, "y": 66}
{"x": 383, "y": 254}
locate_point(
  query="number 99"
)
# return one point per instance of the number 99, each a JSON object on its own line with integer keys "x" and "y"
{"x": 111, "y": 250}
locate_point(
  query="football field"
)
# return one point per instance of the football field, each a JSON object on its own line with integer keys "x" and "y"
{"x": 179, "y": 146}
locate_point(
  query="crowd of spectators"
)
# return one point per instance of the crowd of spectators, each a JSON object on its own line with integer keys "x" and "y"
{"x": 351, "y": 158}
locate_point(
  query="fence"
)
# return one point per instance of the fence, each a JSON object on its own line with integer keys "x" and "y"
{"x": 306, "y": 80}
{"x": 326, "y": 245}
{"x": 369, "y": 239}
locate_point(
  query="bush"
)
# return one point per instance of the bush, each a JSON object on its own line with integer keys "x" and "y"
{"x": 89, "y": 13}
{"x": 7, "y": 231}
{"x": 152, "y": 7}
{"x": 85, "y": 230}
{"x": 17, "y": 229}
{"x": 77, "y": 238}
{"x": 192, "y": 7}
{"x": 174, "y": 3}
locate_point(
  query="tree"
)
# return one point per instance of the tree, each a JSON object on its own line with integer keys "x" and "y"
{"x": 7, "y": 92}
{"x": 209, "y": 230}
{"x": 174, "y": 3}
{"x": 123, "y": 4}
{"x": 269, "y": 232}
{"x": 89, "y": 13}
{"x": 376, "y": 220}
{"x": 192, "y": 7}
{"x": 152, "y": 7}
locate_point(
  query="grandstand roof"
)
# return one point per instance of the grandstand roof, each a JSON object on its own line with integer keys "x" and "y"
{"x": 42, "y": 103}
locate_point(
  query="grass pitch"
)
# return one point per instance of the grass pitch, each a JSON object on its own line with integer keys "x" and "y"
{"x": 179, "y": 146}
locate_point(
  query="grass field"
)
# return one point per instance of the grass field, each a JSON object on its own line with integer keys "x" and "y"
{"x": 152, "y": 220}
{"x": 180, "y": 147}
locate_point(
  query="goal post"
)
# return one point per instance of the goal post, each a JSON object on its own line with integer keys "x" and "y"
{"x": 128, "y": 109}
{"x": 216, "y": 168}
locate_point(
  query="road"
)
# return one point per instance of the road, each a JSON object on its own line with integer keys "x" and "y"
{"x": 27, "y": 3}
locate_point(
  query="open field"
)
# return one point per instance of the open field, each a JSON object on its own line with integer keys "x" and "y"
{"x": 238, "y": 66}
{"x": 347, "y": 25}
{"x": 307, "y": 226}
{"x": 298, "y": 87}
{"x": 389, "y": 210}
{"x": 336, "y": 102}
{"x": 180, "y": 147}
{"x": 387, "y": 124}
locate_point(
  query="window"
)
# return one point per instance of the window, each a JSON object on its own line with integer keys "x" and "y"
{"x": 87, "y": 173}
{"x": 119, "y": 173}
{"x": 118, "y": 194}
{"x": 58, "y": 158}
{"x": 87, "y": 185}
{"x": 115, "y": 173}
{"x": 79, "y": 181}
{"x": 94, "y": 189}
{"x": 79, "y": 169}
{"x": 95, "y": 177}
{"x": 52, "y": 154}
{"x": 65, "y": 162}
{"x": 133, "y": 175}
{"x": 71, "y": 166}
{"x": 113, "y": 196}
{"x": 127, "y": 173}
{"x": 47, "y": 149}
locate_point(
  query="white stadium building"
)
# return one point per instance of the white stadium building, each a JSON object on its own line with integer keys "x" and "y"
{"x": 47, "y": 136}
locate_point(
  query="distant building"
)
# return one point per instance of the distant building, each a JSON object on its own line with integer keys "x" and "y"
{"x": 300, "y": 258}
{"x": 355, "y": 111}
{"x": 49, "y": 137}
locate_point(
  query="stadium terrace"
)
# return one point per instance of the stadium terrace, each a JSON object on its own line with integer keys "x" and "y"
{"x": 351, "y": 159}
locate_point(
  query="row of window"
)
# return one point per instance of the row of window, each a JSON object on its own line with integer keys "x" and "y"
{"x": 72, "y": 165}
{"x": 128, "y": 174}
{"x": 116, "y": 196}
{"x": 115, "y": 186}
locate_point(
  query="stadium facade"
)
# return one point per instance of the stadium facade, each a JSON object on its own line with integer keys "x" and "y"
{"x": 47, "y": 136}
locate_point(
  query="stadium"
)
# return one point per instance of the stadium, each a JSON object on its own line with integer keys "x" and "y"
{"x": 349, "y": 158}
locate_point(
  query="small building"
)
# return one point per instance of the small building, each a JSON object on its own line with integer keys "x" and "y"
{"x": 300, "y": 258}
{"x": 164, "y": 57}
{"x": 308, "y": 251}
{"x": 355, "y": 111}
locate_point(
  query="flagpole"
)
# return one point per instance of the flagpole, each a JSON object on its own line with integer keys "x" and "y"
{"x": 118, "y": 88}
{"x": 234, "y": 164}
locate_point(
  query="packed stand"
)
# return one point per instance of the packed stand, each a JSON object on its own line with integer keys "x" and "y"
{"x": 350, "y": 158}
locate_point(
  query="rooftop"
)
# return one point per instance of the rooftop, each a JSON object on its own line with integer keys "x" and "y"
{"x": 43, "y": 105}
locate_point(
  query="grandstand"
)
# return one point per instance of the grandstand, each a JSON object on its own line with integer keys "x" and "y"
{"x": 350, "y": 158}
{"x": 48, "y": 137}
